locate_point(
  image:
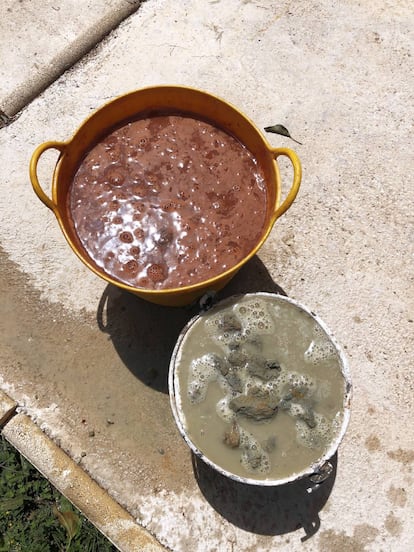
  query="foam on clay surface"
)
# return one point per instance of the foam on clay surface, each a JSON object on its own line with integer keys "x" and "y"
{"x": 259, "y": 357}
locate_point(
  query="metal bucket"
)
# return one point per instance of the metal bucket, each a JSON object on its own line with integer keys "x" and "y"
{"x": 318, "y": 470}
{"x": 166, "y": 99}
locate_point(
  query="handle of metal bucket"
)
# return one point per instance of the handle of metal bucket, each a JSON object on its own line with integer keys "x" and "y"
{"x": 297, "y": 177}
{"x": 60, "y": 146}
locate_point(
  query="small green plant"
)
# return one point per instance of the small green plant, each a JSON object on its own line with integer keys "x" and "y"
{"x": 35, "y": 517}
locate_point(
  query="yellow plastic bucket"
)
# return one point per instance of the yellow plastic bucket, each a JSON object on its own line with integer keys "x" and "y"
{"x": 156, "y": 99}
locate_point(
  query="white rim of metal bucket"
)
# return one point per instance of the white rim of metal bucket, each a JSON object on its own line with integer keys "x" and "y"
{"x": 314, "y": 469}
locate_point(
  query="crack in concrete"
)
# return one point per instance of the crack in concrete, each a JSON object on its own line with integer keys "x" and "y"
{"x": 5, "y": 120}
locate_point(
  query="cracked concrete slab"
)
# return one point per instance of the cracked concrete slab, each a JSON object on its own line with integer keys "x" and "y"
{"x": 40, "y": 39}
{"x": 88, "y": 363}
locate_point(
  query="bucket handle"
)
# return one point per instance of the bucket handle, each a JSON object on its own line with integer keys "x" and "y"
{"x": 297, "y": 177}
{"x": 60, "y": 146}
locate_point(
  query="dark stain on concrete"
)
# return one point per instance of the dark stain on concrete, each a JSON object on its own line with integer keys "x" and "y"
{"x": 393, "y": 525}
{"x": 372, "y": 443}
{"x": 54, "y": 356}
{"x": 369, "y": 356}
{"x": 397, "y": 495}
{"x": 334, "y": 541}
{"x": 405, "y": 457}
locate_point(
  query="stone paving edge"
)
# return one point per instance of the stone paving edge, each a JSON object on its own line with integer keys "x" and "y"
{"x": 81, "y": 46}
{"x": 75, "y": 484}
{"x": 7, "y": 408}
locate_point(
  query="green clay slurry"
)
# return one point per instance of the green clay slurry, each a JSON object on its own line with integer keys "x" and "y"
{"x": 259, "y": 387}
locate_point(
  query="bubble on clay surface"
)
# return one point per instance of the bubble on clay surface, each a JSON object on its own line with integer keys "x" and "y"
{"x": 319, "y": 350}
{"x": 302, "y": 411}
{"x": 266, "y": 388}
{"x": 224, "y": 411}
{"x": 169, "y": 206}
{"x": 206, "y": 367}
{"x": 139, "y": 233}
{"x": 214, "y": 322}
{"x": 157, "y": 273}
{"x": 135, "y": 251}
{"x": 255, "y": 317}
{"x": 253, "y": 458}
{"x": 203, "y": 370}
{"x": 144, "y": 282}
{"x": 196, "y": 391}
{"x": 225, "y": 329}
{"x": 317, "y": 437}
{"x": 126, "y": 237}
{"x": 230, "y": 340}
{"x": 228, "y": 322}
{"x": 234, "y": 247}
{"x": 115, "y": 175}
{"x": 299, "y": 385}
{"x": 131, "y": 266}
{"x": 109, "y": 256}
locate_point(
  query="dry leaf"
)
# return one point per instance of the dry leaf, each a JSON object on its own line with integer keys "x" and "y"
{"x": 69, "y": 520}
{"x": 280, "y": 129}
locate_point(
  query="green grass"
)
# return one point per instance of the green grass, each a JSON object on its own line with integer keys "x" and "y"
{"x": 35, "y": 517}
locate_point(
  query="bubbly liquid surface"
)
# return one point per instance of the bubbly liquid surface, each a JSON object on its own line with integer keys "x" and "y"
{"x": 262, "y": 420}
{"x": 168, "y": 201}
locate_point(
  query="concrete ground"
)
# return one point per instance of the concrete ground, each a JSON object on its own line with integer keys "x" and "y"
{"x": 83, "y": 365}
